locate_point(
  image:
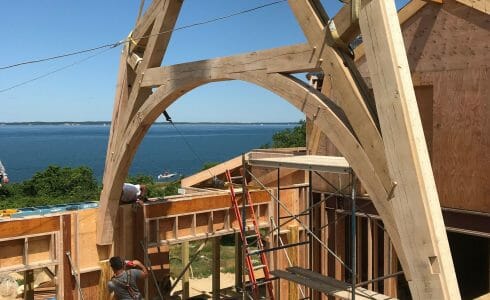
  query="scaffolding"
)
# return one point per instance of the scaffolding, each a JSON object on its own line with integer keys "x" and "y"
{"x": 308, "y": 220}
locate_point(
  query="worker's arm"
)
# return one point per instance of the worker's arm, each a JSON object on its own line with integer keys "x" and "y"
{"x": 138, "y": 264}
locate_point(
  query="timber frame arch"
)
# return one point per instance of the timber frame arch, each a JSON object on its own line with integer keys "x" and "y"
{"x": 350, "y": 120}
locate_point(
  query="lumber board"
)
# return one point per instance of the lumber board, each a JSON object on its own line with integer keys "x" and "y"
{"x": 18, "y": 228}
{"x": 415, "y": 206}
{"x": 211, "y": 172}
{"x": 89, "y": 255}
{"x": 67, "y": 280}
{"x": 198, "y": 204}
{"x": 270, "y": 60}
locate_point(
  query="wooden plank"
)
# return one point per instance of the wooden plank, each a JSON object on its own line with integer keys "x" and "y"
{"x": 270, "y": 60}
{"x": 185, "y": 277}
{"x": 89, "y": 253}
{"x": 198, "y": 204}
{"x": 105, "y": 276}
{"x": 293, "y": 237}
{"x": 67, "y": 280}
{"x": 215, "y": 267}
{"x": 211, "y": 172}
{"x": 17, "y": 228}
{"x": 415, "y": 206}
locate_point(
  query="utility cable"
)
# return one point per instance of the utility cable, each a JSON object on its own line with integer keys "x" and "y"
{"x": 54, "y": 71}
{"x": 169, "y": 119}
{"x": 116, "y": 44}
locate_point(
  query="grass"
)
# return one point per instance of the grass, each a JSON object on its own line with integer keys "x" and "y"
{"x": 201, "y": 266}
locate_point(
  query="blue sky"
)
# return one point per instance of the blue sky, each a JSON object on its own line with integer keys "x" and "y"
{"x": 85, "y": 92}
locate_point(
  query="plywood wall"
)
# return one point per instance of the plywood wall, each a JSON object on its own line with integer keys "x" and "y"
{"x": 449, "y": 56}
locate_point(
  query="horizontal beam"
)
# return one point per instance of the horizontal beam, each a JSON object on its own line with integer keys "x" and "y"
{"x": 196, "y": 205}
{"x": 211, "y": 172}
{"x": 289, "y": 59}
{"x": 333, "y": 164}
{"x": 19, "y": 228}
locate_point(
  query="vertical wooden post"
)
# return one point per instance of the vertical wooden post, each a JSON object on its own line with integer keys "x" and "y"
{"x": 369, "y": 253}
{"x": 68, "y": 280}
{"x": 29, "y": 284}
{"x": 105, "y": 276}
{"x": 416, "y": 208}
{"x": 216, "y": 267}
{"x": 238, "y": 261}
{"x": 185, "y": 277}
{"x": 293, "y": 237}
{"x": 316, "y": 252}
{"x": 376, "y": 254}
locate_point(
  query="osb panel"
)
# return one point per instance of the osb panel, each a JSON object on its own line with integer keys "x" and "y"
{"x": 88, "y": 256}
{"x": 444, "y": 37}
{"x": 11, "y": 253}
{"x": 461, "y": 139}
{"x": 448, "y": 37}
{"x": 39, "y": 249}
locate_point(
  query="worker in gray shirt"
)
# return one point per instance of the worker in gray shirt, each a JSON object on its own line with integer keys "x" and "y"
{"x": 3, "y": 174}
{"x": 126, "y": 274}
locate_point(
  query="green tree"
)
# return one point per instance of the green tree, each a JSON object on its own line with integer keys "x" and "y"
{"x": 295, "y": 137}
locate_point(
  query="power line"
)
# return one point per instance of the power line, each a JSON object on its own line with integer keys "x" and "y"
{"x": 116, "y": 44}
{"x": 54, "y": 71}
{"x": 113, "y": 45}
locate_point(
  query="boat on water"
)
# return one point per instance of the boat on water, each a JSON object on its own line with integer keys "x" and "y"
{"x": 166, "y": 175}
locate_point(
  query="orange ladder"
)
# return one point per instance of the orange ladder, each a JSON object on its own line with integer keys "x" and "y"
{"x": 248, "y": 251}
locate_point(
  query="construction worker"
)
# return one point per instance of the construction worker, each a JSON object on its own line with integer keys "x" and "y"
{"x": 3, "y": 174}
{"x": 134, "y": 193}
{"x": 126, "y": 274}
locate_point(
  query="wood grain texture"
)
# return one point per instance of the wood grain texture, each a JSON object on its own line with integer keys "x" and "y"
{"x": 32, "y": 226}
{"x": 430, "y": 272}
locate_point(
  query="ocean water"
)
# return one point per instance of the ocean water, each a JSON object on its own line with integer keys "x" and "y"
{"x": 26, "y": 149}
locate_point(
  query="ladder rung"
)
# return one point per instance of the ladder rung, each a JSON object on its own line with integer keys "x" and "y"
{"x": 253, "y": 252}
{"x": 259, "y": 267}
{"x": 236, "y": 177}
{"x": 261, "y": 282}
{"x": 251, "y": 236}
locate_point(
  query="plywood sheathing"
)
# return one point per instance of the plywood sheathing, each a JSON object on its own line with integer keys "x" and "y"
{"x": 447, "y": 50}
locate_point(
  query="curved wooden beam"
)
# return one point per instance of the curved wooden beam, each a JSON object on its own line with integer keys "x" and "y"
{"x": 326, "y": 114}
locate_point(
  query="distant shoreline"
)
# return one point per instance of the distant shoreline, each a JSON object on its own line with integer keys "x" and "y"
{"x": 159, "y": 123}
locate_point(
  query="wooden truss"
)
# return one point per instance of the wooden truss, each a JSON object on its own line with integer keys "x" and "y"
{"x": 382, "y": 140}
